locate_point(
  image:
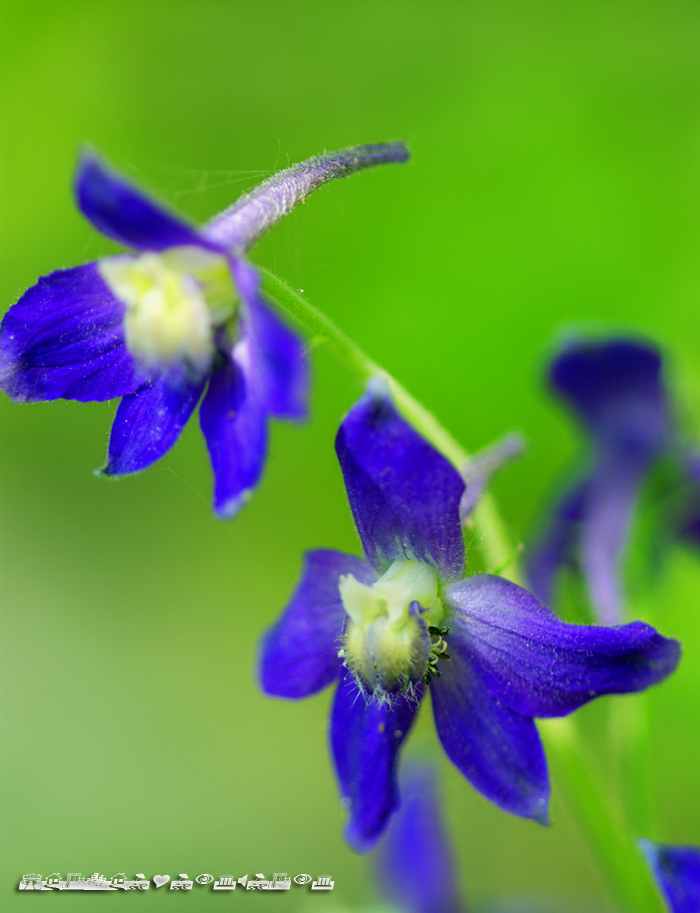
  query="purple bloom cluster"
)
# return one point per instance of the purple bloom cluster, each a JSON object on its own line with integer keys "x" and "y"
{"x": 180, "y": 321}
{"x": 403, "y": 620}
{"x": 616, "y": 389}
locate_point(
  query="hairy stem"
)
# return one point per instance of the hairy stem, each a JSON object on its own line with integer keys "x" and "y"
{"x": 495, "y": 544}
{"x": 256, "y": 212}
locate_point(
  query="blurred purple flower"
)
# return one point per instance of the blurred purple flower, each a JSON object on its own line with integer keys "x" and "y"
{"x": 414, "y": 863}
{"x": 616, "y": 389}
{"x": 179, "y": 321}
{"x": 677, "y": 872}
{"x": 381, "y": 625}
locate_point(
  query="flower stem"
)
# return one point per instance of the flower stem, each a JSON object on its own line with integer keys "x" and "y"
{"x": 606, "y": 831}
{"x": 496, "y": 547}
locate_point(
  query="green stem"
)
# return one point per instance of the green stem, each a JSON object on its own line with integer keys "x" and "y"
{"x": 630, "y": 750}
{"x": 606, "y": 831}
{"x": 495, "y": 545}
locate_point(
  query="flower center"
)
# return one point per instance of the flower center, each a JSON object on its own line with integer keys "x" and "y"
{"x": 387, "y": 643}
{"x": 174, "y": 301}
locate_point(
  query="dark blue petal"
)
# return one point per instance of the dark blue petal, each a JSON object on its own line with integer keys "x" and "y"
{"x": 404, "y": 495}
{"x": 148, "y": 423}
{"x": 278, "y": 353}
{"x": 259, "y": 210}
{"x": 125, "y": 213}
{"x": 616, "y": 387}
{"x": 482, "y": 466}
{"x": 234, "y": 424}
{"x": 556, "y": 545}
{"x": 299, "y": 655}
{"x": 365, "y": 737}
{"x": 540, "y": 666}
{"x": 415, "y": 865}
{"x": 64, "y": 339}
{"x": 498, "y": 750}
{"x": 677, "y": 872}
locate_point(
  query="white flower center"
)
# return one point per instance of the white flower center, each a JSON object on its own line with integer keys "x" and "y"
{"x": 174, "y": 301}
{"x": 386, "y": 643}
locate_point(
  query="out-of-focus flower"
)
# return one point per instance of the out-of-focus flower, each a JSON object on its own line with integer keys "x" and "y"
{"x": 677, "y": 872}
{"x": 415, "y": 865}
{"x": 179, "y": 321}
{"x": 404, "y": 618}
{"x": 414, "y": 862}
{"x": 616, "y": 389}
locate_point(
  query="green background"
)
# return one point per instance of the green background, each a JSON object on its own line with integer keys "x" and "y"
{"x": 554, "y": 182}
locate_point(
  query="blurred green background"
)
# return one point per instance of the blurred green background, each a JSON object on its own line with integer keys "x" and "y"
{"x": 555, "y": 181}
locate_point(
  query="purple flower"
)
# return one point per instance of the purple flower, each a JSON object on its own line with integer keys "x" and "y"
{"x": 615, "y": 388}
{"x": 414, "y": 863}
{"x": 677, "y": 872}
{"x": 404, "y": 620}
{"x": 179, "y": 321}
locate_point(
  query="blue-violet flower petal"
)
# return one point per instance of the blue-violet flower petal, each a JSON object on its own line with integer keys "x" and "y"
{"x": 148, "y": 423}
{"x": 496, "y": 749}
{"x": 366, "y": 737}
{"x": 299, "y": 655}
{"x": 128, "y": 215}
{"x": 64, "y": 339}
{"x": 540, "y": 666}
{"x": 677, "y": 872}
{"x": 404, "y": 495}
